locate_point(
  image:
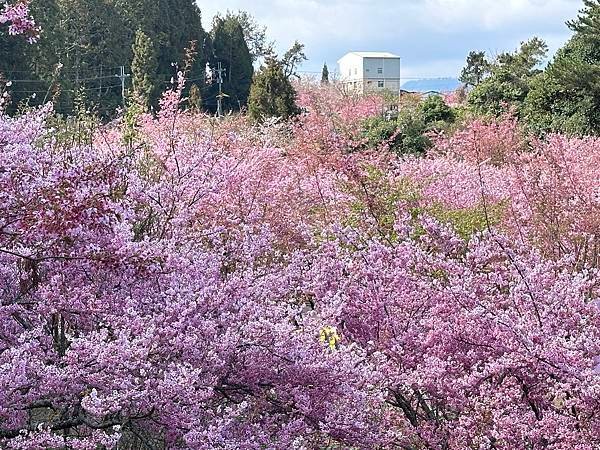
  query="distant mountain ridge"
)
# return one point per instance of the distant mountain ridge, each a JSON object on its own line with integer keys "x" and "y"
{"x": 432, "y": 84}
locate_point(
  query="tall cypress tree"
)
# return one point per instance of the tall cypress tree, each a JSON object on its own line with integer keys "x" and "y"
{"x": 231, "y": 49}
{"x": 143, "y": 69}
{"x": 178, "y": 24}
{"x": 325, "y": 74}
{"x": 171, "y": 25}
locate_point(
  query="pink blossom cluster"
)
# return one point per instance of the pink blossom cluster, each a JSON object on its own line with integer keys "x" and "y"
{"x": 19, "y": 20}
{"x": 545, "y": 190}
{"x": 455, "y": 98}
{"x": 490, "y": 141}
{"x": 203, "y": 284}
{"x": 332, "y": 119}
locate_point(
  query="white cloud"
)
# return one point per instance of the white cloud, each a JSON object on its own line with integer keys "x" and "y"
{"x": 491, "y": 15}
{"x": 428, "y": 33}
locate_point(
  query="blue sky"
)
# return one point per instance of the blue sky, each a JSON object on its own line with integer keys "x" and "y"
{"x": 433, "y": 37}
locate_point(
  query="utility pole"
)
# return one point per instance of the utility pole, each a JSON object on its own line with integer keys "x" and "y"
{"x": 220, "y": 72}
{"x": 122, "y": 76}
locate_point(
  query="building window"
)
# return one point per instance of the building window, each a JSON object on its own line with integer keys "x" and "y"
{"x": 380, "y": 84}
{"x": 380, "y": 70}
{"x": 367, "y": 70}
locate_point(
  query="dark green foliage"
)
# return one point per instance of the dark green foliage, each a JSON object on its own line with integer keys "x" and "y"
{"x": 34, "y": 63}
{"x": 476, "y": 70}
{"x": 588, "y": 22}
{"x": 524, "y": 62}
{"x": 510, "y": 76}
{"x": 12, "y": 61}
{"x": 377, "y": 130}
{"x": 567, "y": 97}
{"x": 413, "y": 129}
{"x": 91, "y": 46}
{"x": 179, "y": 23}
{"x": 499, "y": 93}
{"x": 434, "y": 109}
{"x": 171, "y": 25}
{"x": 408, "y": 134}
{"x": 254, "y": 34}
{"x": 231, "y": 50}
{"x": 325, "y": 74}
{"x": 91, "y": 39}
{"x": 272, "y": 94}
{"x": 139, "y": 15}
{"x": 292, "y": 59}
{"x": 143, "y": 69}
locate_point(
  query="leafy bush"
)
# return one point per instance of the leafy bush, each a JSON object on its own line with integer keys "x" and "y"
{"x": 271, "y": 93}
{"x": 435, "y": 110}
{"x": 408, "y": 133}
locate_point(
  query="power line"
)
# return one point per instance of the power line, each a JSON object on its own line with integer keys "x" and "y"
{"x": 75, "y": 80}
{"x": 81, "y": 89}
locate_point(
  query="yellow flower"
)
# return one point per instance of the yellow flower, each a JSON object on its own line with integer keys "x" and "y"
{"x": 330, "y": 336}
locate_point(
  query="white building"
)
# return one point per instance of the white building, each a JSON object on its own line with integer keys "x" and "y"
{"x": 370, "y": 71}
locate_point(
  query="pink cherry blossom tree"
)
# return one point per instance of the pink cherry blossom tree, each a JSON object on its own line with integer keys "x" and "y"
{"x": 213, "y": 284}
{"x": 20, "y": 23}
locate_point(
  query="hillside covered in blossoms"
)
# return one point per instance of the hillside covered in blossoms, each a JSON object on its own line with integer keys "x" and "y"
{"x": 334, "y": 279}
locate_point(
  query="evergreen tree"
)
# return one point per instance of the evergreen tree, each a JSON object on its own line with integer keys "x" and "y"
{"x": 231, "y": 49}
{"x": 476, "y": 70}
{"x": 140, "y": 15}
{"x": 292, "y": 59}
{"x": 434, "y": 109}
{"x": 588, "y": 22}
{"x": 171, "y": 25}
{"x": 577, "y": 65}
{"x": 524, "y": 62}
{"x": 12, "y": 53}
{"x": 566, "y": 97}
{"x": 254, "y": 34}
{"x": 35, "y": 63}
{"x": 272, "y": 94}
{"x": 325, "y": 74}
{"x": 90, "y": 47}
{"x": 509, "y": 80}
{"x": 91, "y": 39}
{"x": 143, "y": 69}
{"x": 179, "y": 23}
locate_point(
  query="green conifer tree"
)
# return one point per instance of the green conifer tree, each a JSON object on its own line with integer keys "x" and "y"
{"x": 476, "y": 69}
{"x": 325, "y": 74}
{"x": 143, "y": 69}
{"x": 272, "y": 94}
{"x": 231, "y": 50}
{"x": 566, "y": 97}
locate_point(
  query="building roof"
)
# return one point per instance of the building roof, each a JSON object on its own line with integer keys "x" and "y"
{"x": 374, "y": 54}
